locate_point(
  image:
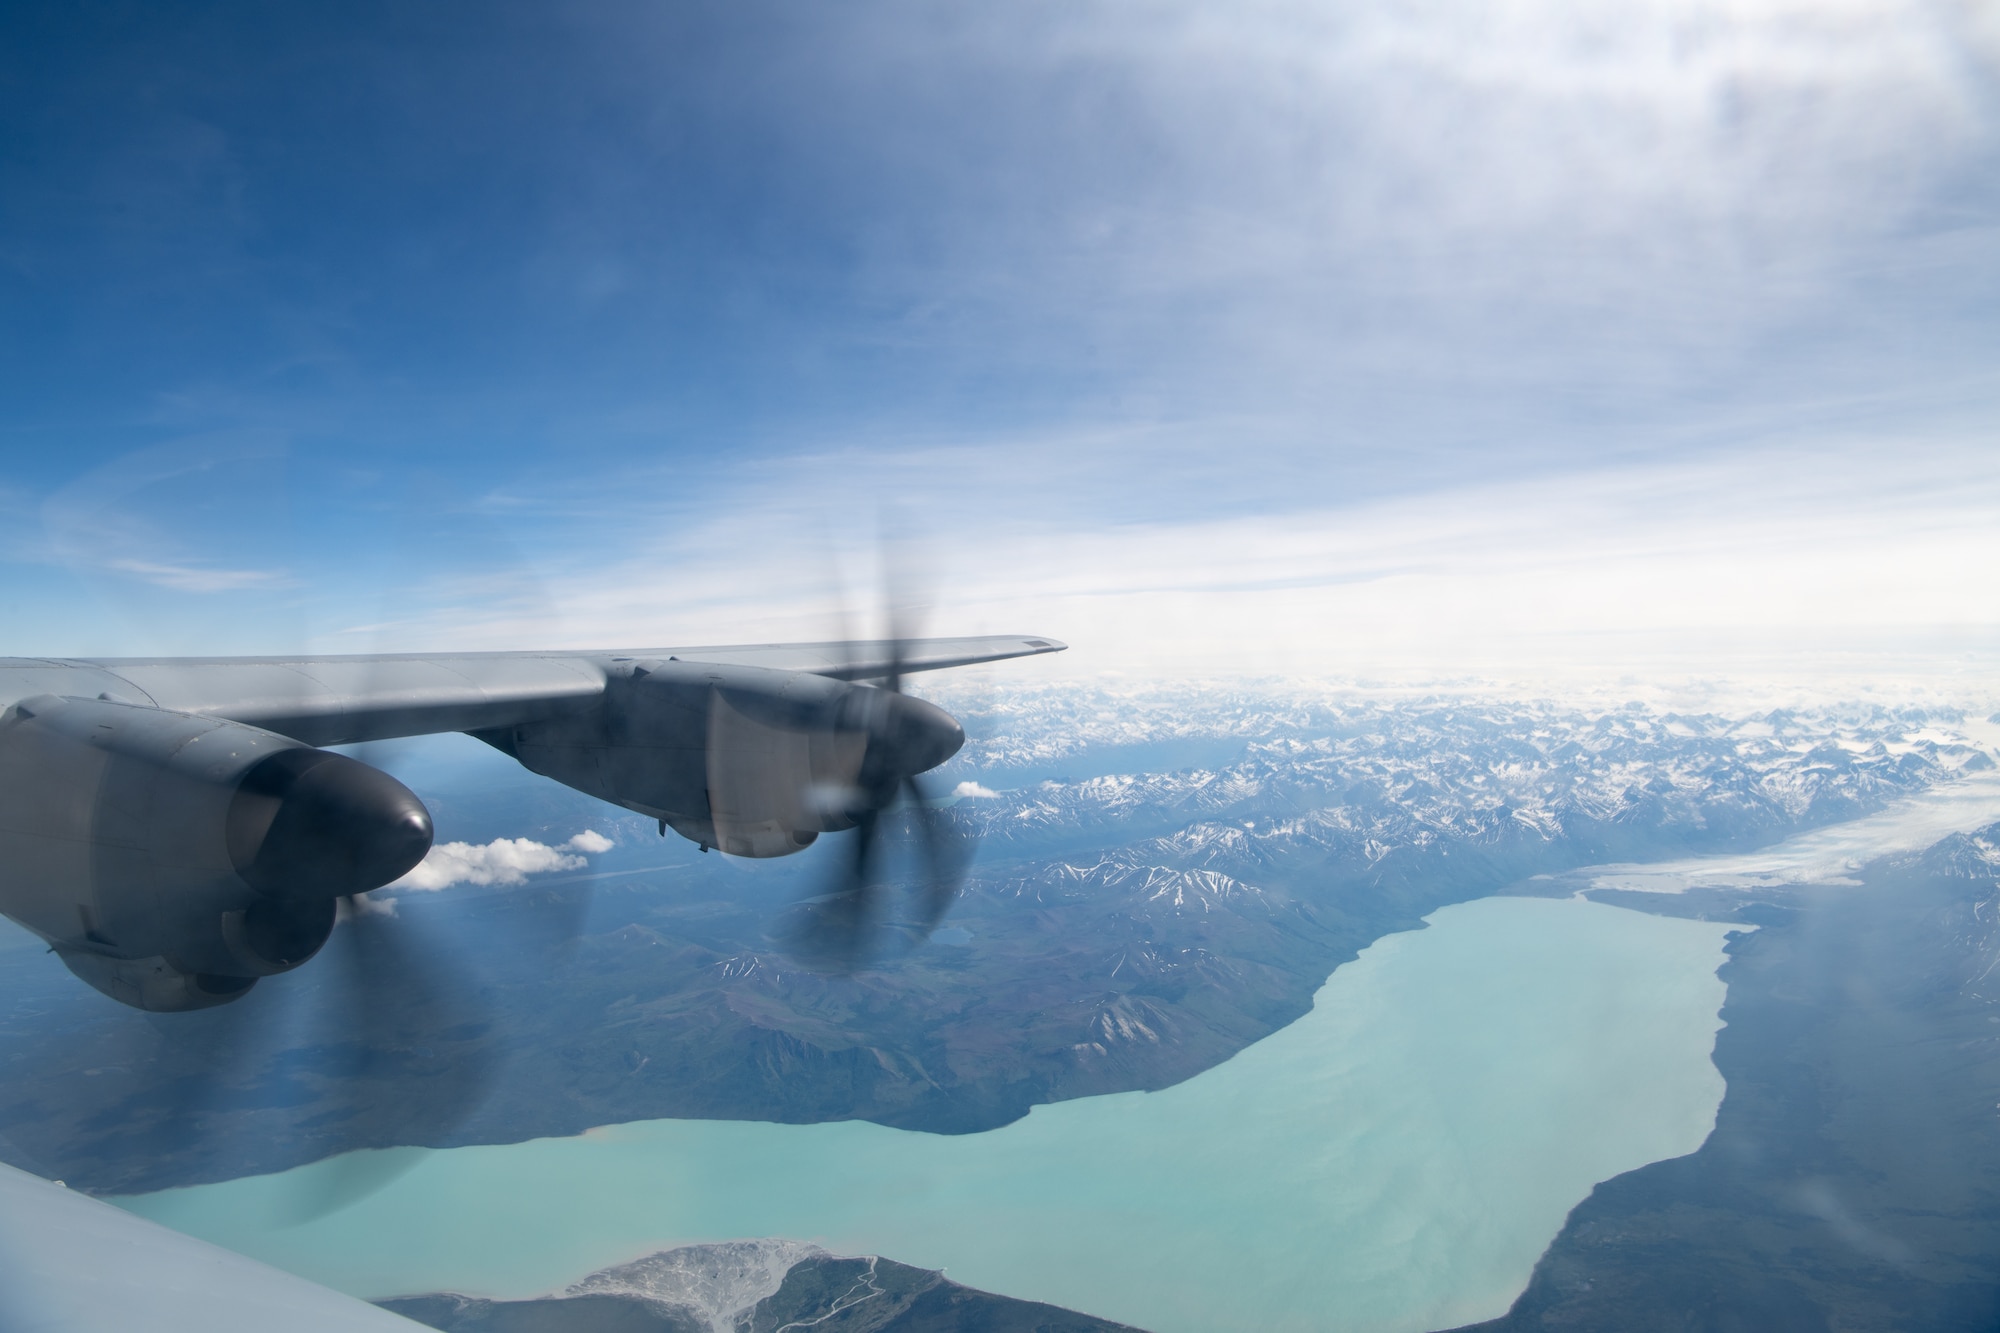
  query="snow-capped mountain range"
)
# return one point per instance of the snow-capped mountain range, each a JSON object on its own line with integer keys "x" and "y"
{"x": 1355, "y": 784}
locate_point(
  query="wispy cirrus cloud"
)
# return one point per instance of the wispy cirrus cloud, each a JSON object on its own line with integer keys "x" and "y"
{"x": 1282, "y": 335}
{"x": 1789, "y": 558}
{"x": 1285, "y": 201}
{"x": 198, "y": 578}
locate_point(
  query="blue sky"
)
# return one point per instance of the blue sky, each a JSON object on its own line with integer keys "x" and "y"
{"x": 1358, "y": 338}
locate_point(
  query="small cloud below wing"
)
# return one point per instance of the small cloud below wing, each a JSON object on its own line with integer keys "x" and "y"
{"x": 503, "y": 861}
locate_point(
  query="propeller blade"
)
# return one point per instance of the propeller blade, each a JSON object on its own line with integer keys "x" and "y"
{"x": 945, "y": 857}
{"x": 836, "y": 929}
{"x": 904, "y": 603}
{"x": 904, "y": 736}
{"x": 409, "y": 1041}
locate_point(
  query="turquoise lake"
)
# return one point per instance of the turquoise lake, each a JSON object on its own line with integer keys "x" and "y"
{"x": 1396, "y": 1159}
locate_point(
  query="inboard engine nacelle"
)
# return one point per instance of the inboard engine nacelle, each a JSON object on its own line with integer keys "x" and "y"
{"x": 173, "y": 859}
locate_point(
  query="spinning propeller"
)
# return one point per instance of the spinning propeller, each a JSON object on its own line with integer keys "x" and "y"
{"x": 905, "y": 736}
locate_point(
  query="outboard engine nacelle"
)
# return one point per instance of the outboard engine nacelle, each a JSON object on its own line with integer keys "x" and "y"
{"x": 173, "y": 859}
{"x": 748, "y": 760}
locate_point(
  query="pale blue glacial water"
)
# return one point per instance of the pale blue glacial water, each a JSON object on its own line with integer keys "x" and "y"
{"x": 1396, "y": 1159}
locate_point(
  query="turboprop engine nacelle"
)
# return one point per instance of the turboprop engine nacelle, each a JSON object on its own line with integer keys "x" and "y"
{"x": 173, "y": 859}
{"x": 748, "y": 760}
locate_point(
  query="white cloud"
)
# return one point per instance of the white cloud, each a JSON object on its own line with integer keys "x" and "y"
{"x": 361, "y": 905}
{"x": 1843, "y": 554}
{"x": 502, "y": 861}
{"x": 972, "y": 790}
{"x": 1541, "y": 180}
{"x": 198, "y": 578}
{"x": 1414, "y": 204}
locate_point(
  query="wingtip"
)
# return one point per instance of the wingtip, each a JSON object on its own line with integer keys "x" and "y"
{"x": 1044, "y": 644}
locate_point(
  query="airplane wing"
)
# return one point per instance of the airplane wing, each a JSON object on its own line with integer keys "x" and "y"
{"x": 343, "y": 699}
{"x": 71, "y": 1264}
{"x": 171, "y": 827}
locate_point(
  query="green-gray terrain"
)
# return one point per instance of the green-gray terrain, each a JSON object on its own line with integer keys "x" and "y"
{"x": 1121, "y": 929}
{"x": 1853, "y": 1178}
{"x": 1162, "y": 880}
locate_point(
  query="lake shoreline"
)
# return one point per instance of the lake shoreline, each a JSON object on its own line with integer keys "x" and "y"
{"x": 1114, "y": 1205}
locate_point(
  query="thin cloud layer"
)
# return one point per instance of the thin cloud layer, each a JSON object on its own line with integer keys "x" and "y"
{"x": 1788, "y": 559}
{"x": 1296, "y": 199}
{"x": 1283, "y": 336}
{"x": 198, "y": 578}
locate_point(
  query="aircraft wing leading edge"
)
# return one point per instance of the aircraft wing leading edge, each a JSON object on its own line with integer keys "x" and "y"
{"x": 339, "y": 700}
